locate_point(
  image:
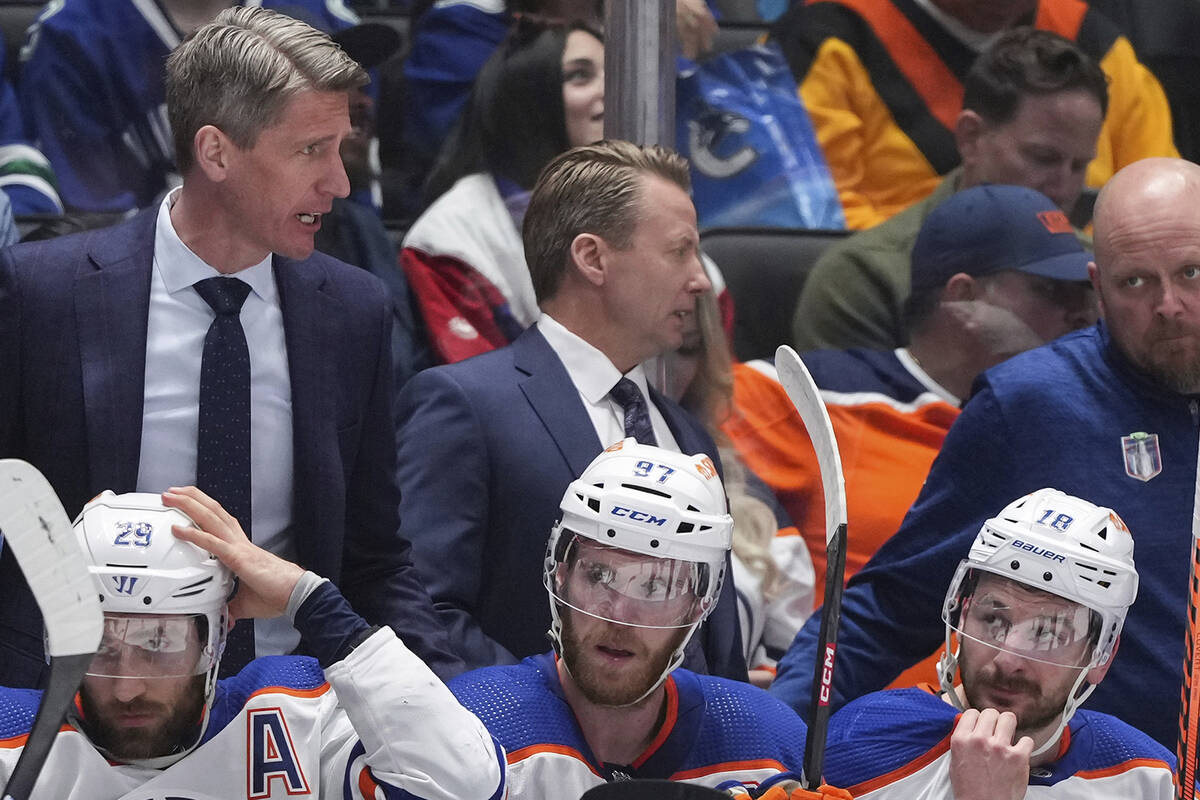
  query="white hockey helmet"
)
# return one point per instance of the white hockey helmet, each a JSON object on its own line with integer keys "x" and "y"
{"x": 1062, "y": 545}
{"x": 155, "y": 589}
{"x": 642, "y": 500}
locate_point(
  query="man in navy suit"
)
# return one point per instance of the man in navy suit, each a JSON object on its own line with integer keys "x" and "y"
{"x": 103, "y": 335}
{"x": 489, "y": 445}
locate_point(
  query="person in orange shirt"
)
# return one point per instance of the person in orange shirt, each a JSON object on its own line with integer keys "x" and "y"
{"x": 883, "y": 83}
{"x": 997, "y": 270}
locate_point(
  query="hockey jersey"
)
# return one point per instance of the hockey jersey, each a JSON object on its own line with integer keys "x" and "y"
{"x": 94, "y": 100}
{"x": 889, "y": 418}
{"x": 896, "y": 744}
{"x": 715, "y": 731}
{"x": 376, "y": 724}
{"x": 25, "y": 174}
{"x": 882, "y": 81}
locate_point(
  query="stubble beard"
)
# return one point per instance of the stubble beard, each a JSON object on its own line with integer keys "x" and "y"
{"x": 594, "y": 681}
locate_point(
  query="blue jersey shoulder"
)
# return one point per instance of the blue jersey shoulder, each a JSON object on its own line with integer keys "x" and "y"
{"x": 520, "y": 704}
{"x": 739, "y": 722}
{"x": 18, "y": 707}
{"x": 882, "y": 732}
{"x": 1101, "y": 742}
{"x": 295, "y": 673}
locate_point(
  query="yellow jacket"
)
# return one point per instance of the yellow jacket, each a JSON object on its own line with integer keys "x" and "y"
{"x": 882, "y": 82}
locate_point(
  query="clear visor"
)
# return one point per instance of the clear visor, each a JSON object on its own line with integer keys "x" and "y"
{"x": 629, "y": 588}
{"x": 1005, "y": 615}
{"x": 153, "y": 646}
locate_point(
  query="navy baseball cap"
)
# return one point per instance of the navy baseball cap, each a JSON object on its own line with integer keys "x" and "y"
{"x": 989, "y": 228}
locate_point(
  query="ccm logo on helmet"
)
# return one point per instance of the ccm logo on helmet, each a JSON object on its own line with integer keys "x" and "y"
{"x": 1038, "y": 551}
{"x": 638, "y": 516}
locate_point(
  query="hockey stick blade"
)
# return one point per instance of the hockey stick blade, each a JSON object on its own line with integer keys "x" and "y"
{"x": 806, "y": 397}
{"x": 36, "y": 529}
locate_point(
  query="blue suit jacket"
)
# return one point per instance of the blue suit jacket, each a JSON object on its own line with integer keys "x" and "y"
{"x": 487, "y": 448}
{"x": 73, "y": 315}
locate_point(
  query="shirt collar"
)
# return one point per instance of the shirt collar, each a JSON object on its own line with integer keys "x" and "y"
{"x": 590, "y": 370}
{"x": 181, "y": 268}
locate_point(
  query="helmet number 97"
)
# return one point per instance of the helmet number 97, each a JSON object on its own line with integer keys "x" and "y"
{"x": 643, "y": 468}
{"x": 133, "y": 534}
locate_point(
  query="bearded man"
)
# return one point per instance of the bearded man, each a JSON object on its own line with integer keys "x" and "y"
{"x": 1112, "y": 412}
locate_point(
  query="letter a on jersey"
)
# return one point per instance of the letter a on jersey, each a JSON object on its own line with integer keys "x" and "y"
{"x": 271, "y": 755}
{"x": 1143, "y": 460}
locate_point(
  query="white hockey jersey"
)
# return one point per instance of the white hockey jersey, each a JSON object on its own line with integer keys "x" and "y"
{"x": 378, "y": 724}
{"x": 895, "y": 745}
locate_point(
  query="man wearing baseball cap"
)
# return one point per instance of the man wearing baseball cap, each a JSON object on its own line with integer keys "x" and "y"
{"x": 996, "y": 271}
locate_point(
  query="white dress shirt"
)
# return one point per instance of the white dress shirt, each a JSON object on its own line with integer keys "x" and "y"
{"x": 594, "y": 375}
{"x": 178, "y": 322}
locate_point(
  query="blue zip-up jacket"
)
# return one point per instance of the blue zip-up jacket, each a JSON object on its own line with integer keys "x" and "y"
{"x": 1054, "y": 416}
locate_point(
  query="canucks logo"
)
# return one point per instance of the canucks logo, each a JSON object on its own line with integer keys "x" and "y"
{"x": 711, "y": 131}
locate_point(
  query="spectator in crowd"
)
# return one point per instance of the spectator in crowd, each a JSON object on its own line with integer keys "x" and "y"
{"x": 1109, "y": 412}
{"x": 1032, "y": 109}
{"x": 203, "y": 342}
{"x": 92, "y": 92}
{"x": 540, "y": 94}
{"x": 626, "y": 593}
{"x": 1031, "y": 632}
{"x": 488, "y": 445}
{"x": 997, "y": 270}
{"x": 25, "y": 174}
{"x": 883, "y": 83}
{"x": 454, "y": 38}
{"x": 772, "y": 568}
{"x": 365, "y": 713}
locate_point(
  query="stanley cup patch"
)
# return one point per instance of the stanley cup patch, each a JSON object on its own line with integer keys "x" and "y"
{"x": 1142, "y": 457}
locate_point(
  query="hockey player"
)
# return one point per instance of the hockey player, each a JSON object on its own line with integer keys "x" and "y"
{"x": 1033, "y": 617}
{"x": 632, "y": 568}
{"x": 366, "y": 719}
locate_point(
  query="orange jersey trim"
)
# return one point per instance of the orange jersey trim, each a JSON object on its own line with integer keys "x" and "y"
{"x": 935, "y": 752}
{"x": 938, "y": 87}
{"x": 317, "y": 692}
{"x": 729, "y": 766}
{"x": 668, "y": 723}
{"x": 555, "y": 749}
{"x": 1126, "y": 766}
{"x": 14, "y": 742}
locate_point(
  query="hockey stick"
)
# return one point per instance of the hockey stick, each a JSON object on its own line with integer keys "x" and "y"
{"x": 803, "y": 392}
{"x": 1189, "y": 703}
{"x": 36, "y": 529}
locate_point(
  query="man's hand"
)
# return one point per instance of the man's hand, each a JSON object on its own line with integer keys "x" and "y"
{"x": 265, "y": 580}
{"x": 984, "y": 762}
{"x": 696, "y": 27}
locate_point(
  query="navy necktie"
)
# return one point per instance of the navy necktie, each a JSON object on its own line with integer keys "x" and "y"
{"x": 637, "y": 417}
{"x": 223, "y": 442}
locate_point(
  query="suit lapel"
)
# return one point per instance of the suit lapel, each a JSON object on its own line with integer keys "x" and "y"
{"x": 555, "y": 399}
{"x": 310, "y": 325}
{"x": 112, "y": 306}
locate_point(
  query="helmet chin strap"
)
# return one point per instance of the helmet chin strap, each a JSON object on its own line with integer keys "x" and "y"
{"x": 947, "y": 669}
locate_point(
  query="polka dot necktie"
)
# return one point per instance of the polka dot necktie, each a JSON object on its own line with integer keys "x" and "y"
{"x": 223, "y": 443}
{"x": 637, "y": 417}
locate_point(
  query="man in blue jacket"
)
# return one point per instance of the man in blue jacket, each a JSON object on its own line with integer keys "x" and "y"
{"x": 1111, "y": 412}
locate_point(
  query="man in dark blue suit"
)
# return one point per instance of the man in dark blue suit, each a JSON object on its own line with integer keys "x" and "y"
{"x": 105, "y": 341}
{"x": 489, "y": 445}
